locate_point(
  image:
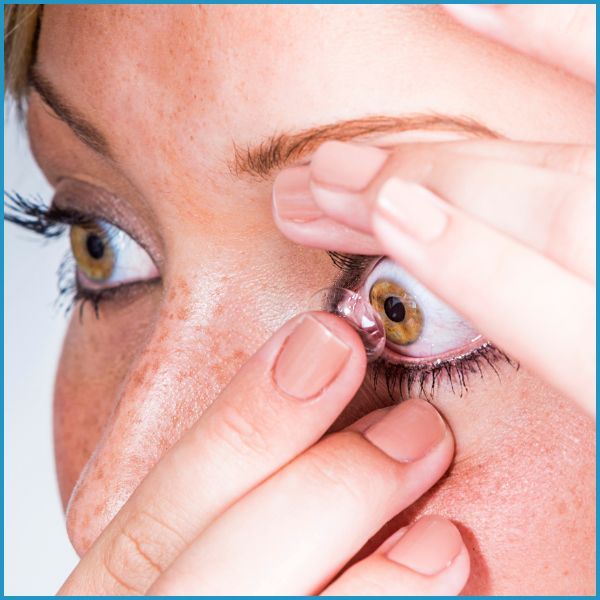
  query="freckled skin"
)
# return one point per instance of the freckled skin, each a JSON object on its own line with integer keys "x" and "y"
{"x": 171, "y": 87}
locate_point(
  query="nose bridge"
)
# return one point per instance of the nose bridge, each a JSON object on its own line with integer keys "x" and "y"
{"x": 189, "y": 357}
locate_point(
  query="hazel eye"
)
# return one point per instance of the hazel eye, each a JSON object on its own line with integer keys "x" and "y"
{"x": 401, "y": 315}
{"x": 418, "y": 325}
{"x": 107, "y": 257}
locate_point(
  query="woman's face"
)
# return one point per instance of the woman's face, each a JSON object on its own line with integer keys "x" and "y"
{"x": 173, "y": 111}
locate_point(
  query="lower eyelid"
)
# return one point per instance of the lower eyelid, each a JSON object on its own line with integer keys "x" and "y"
{"x": 394, "y": 357}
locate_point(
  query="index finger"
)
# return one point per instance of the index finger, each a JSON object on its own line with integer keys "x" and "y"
{"x": 563, "y": 35}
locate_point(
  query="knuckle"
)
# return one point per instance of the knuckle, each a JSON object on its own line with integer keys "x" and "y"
{"x": 583, "y": 161}
{"x": 366, "y": 581}
{"x": 141, "y": 551}
{"x": 577, "y": 21}
{"x": 240, "y": 429}
{"x": 571, "y": 232}
{"x": 580, "y": 160}
{"x": 336, "y": 464}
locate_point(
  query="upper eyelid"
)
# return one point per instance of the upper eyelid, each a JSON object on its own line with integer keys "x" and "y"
{"x": 353, "y": 267}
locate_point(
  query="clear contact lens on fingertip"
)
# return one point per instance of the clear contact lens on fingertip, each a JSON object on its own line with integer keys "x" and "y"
{"x": 358, "y": 312}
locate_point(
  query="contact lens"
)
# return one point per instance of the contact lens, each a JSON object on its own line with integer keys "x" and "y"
{"x": 358, "y": 312}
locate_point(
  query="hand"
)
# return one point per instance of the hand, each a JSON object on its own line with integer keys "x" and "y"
{"x": 563, "y": 35}
{"x": 502, "y": 231}
{"x": 252, "y": 501}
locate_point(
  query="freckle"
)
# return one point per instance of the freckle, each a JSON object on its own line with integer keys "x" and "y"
{"x": 137, "y": 378}
{"x": 97, "y": 510}
{"x": 184, "y": 287}
{"x": 172, "y": 294}
{"x": 240, "y": 356}
{"x": 562, "y": 508}
{"x": 182, "y": 313}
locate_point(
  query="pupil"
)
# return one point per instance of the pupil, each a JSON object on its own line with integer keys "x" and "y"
{"x": 394, "y": 309}
{"x": 95, "y": 246}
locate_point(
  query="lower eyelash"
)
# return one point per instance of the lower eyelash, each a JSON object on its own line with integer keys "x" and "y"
{"x": 403, "y": 380}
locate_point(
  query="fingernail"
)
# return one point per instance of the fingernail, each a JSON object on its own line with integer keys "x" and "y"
{"x": 292, "y": 198}
{"x": 310, "y": 359}
{"x": 347, "y": 167}
{"x": 411, "y": 208}
{"x": 409, "y": 432}
{"x": 429, "y": 546}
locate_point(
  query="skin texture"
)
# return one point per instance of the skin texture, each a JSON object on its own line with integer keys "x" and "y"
{"x": 170, "y": 88}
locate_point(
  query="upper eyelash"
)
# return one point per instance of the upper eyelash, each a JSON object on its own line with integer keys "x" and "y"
{"x": 52, "y": 222}
{"x": 404, "y": 378}
{"x": 36, "y": 216}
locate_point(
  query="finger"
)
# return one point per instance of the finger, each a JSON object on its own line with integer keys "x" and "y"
{"x": 303, "y": 222}
{"x": 281, "y": 401}
{"x": 563, "y": 35}
{"x": 548, "y": 210}
{"x": 576, "y": 159}
{"x": 428, "y": 559}
{"x": 533, "y": 309}
{"x": 293, "y": 533}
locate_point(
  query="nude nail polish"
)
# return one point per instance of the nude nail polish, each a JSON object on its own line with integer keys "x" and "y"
{"x": 292, "y": 198}
{"x": 412, "y": 209}
{"x": 408, "y": 432}
{"x": 428, "y": 547}
{"x": 347, "y": 167}
{"x": 310, "y": 359}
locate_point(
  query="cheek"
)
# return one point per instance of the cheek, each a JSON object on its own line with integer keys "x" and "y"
{"x": 521, "y": 488}
{"x": 94, "y": 362}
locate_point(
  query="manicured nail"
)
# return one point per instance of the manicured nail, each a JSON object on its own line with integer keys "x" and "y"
{"x": 292, "y": 198}
{"x": 310, "y": 359}
{"x": 428, "y": 547}
{"x": 411, "y": 208}
{"x": 408, "y": 432}
{"x": 346, "y": 167}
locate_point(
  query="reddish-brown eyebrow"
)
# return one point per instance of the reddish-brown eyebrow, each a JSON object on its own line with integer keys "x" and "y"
{"x": 279, "y": 150}
{"x": 286, "y": 148}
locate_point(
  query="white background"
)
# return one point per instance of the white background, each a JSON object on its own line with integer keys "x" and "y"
{"x": 38, "y": 555}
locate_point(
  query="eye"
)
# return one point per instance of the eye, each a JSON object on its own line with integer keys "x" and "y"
{"x": 419, "y": 327}
{"x": 107, "y": 257}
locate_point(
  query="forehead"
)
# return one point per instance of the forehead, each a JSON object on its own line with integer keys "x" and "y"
{"x": 239, "y": 71}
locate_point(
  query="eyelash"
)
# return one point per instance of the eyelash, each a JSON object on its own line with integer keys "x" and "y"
{"x": 51, "y": 223}
{"x": 401, "y": 380}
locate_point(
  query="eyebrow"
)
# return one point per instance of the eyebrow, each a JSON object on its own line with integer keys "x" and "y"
{"x": 281, "y": 150}
{"x": 277, "y": 151}
{"x": 81, "y": 127}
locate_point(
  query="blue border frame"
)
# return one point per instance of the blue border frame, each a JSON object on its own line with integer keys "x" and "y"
{"x": 3, "y": 248}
